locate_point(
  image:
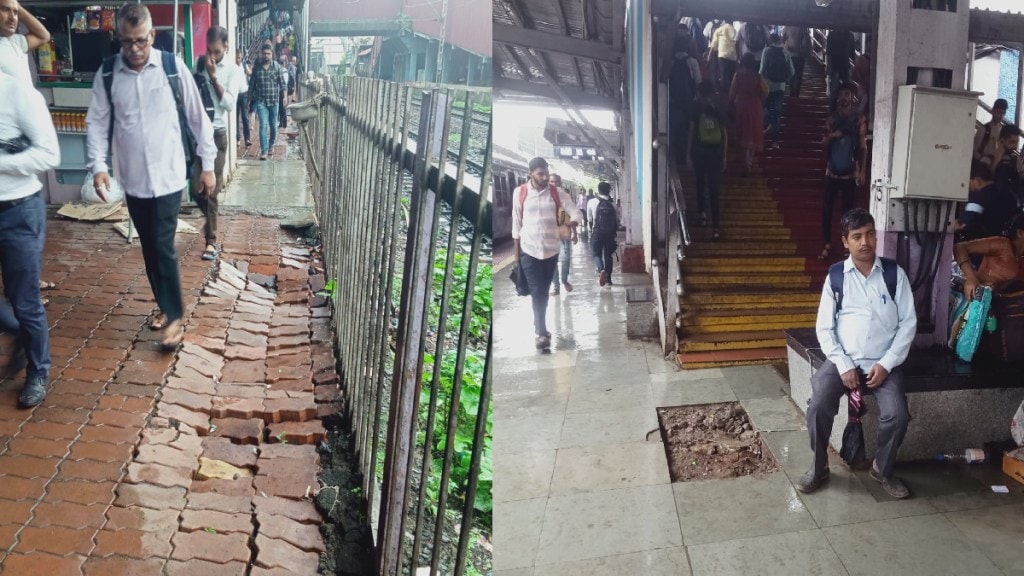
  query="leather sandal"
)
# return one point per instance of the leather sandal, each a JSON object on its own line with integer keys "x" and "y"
{"x": 174, "y": 333}
{"x": 157, "y": 321}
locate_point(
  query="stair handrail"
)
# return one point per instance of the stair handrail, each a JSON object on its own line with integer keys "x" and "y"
{"x": 675, "y": 183}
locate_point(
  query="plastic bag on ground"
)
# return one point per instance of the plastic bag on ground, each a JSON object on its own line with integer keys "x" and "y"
{"x": 1017, "y": 426}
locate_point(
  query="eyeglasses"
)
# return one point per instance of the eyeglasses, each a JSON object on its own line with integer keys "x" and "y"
{"x": 140, "y": 43}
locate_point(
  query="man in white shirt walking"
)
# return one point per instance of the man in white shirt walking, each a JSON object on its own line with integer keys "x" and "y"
{"x": 865, "y": 335}
{"x": 28, "y": 147}
{"x": 14, "y": 47}
{"x": 151, "y": 166}
{"x": 223, "y": 80}
{"x": 535, "y": 235}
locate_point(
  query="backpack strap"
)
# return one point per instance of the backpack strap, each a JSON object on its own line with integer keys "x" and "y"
{"x": 553, "y": 190}
{"x": 170, "y": 66}
{"x": 522, "y": 200}
{"x": 836, "y": 277}
{"x": 889, "y": 267}
{"x": 108, "y": 83}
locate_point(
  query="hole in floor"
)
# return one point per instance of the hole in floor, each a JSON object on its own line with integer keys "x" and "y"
{"x": 713, "y": 442}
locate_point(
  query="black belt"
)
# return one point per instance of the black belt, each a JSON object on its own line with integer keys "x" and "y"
{"x": 6, "y": 205}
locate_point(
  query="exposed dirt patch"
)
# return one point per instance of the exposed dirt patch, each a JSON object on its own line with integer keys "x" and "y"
{"x": 346, "y": 528}
{"x": 712, "y": 442}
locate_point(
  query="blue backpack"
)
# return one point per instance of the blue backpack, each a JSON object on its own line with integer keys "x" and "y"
{"x": 170, "y": 66}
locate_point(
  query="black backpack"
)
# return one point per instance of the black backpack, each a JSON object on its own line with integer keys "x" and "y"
{"x": 756, "y": 39}
{"x": 606, "y": 219}
{"x": 775, "y": 67}
{"x": 170, "y": 66}
{"x": 205, "y": 89}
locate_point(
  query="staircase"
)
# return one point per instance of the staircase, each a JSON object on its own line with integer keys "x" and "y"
{"x": 763, "y": 276}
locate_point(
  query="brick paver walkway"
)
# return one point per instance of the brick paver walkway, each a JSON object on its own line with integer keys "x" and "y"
{"x": 196, "y": 462}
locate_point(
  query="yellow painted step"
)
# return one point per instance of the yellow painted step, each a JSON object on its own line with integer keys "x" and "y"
{"x": 733, "y": 341}
{"x": 700, "y": 320}
{"x": 744, "y": 264}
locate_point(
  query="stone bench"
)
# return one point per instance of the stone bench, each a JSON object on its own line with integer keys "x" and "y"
{"x": 953, "y": 405}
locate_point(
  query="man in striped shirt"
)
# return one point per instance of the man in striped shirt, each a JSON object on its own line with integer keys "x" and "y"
{"x": 535, "y": 235}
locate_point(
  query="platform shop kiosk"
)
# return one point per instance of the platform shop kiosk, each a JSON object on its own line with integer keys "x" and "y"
{"x": 81, "y": 36}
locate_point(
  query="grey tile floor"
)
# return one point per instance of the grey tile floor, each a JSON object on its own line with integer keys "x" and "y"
{"x": 582, "y": 488}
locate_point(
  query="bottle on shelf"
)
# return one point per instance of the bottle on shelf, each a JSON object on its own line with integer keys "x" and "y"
{"x": 970, "y": 456}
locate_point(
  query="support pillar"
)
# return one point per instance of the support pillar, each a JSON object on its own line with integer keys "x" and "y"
{"x": 925, "y": 40}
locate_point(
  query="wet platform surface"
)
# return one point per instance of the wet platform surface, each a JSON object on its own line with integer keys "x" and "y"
{"x": 582, "y": 484}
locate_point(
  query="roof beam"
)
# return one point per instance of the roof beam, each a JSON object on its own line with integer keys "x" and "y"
{"x": 578, "y": 98}
{"x": 854, "y": 15}
{"x": 545, "y": 42}
{"x": 992, "y": 27}
{"x": 369, "y": 27}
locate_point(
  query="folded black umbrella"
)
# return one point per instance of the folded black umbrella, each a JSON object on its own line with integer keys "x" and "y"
{"x": 519, "y": 279}
{"x": 853, "y": 435}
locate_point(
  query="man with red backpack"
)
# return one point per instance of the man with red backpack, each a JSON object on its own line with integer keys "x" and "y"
{"x": 542, "y": 216}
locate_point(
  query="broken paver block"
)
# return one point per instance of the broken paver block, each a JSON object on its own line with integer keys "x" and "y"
{"x": 233, "y": 281}
{"x": 282, "y": 342}
{"x": 159, "y": 475}
{"x": 243, "y": 390}
{"x": 289, "y": 373}
{"x": 240, "y": 455}
{"x": 150, "y": 496}
{"x": 219, "y": 502}
{"x": 218, "y": 548}
{"x": 303, "y": 536}
{"x": 250, "y": 327}
{"x": 309, "y": 432}
{"x": 326, "y": 378}
{"x": 199, "y": 385}
{"x": 295, "y": 486}
{"x": 241, "y": 487}
{"x": 163, "y": 522}
{"x": 209, "y": 469}
{"x": 222, "y": 522}
{"x": 244, "y": 408}
{"x": 302, "y": 511}
{"x": 248, "y": 431}
{"x": 166, "y": 455}
{"x": 302, "y": 471}
{"x": 246, "y": 339}
{"x": 194, "y": 350}
{"x": 188, "y": 399}
{"x": 273, "y": 553}
{"x": 243, "y": 371}
{"x": 289, "y": 409}
{"x": 239, "y": 352}
{"x": 299, "y": 358}
{"x": 290, "y": 330}
{"x": 197, "y": 420}
{"x": 329, "y": 393}
{"x": 294, "y": 388}
{"x": 294, "y": 451}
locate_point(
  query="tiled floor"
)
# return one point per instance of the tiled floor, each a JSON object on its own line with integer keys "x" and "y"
{"x": 582, "y": 486}
{"x": 111, "y": 474}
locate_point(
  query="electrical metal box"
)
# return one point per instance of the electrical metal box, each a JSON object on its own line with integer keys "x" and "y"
{"x": 934, "y": 143}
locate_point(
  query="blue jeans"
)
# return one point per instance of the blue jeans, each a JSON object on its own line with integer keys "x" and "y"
{"x": 603, "y": 248}
{"x": 22, "y": 236}
{"x": 242, "y": 126}
{"x": 538, "y": 275}
{"x": 268, "y": 119}
{"x": 565, "y": 261}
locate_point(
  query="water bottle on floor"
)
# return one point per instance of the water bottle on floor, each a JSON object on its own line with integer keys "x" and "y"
{"x": 970, "y": 456}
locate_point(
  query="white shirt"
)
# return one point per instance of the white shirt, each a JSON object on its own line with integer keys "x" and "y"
{"x": 592, "y": 205}
{"x": 534, "y": 223}
{"x": 25, "y": 113}
{"x": 228, "y": 75}
{"x": 871, "y": 328}
{"x": 147, "y": 136}
{"x": 14, "y": 56}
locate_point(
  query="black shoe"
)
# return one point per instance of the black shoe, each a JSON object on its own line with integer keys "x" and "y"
{"x": 810, "y": 481}
{"x": 34, "y": 392}
{"x": 892, "y": 485}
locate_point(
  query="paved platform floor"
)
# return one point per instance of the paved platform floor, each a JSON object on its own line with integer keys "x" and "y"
{"x": 195, "y": 462}
{"x": 580, "y": 489}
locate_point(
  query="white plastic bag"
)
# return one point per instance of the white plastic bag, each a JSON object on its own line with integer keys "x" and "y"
{"x": 114, "y": 195}
{"x": 1017, "y": 426}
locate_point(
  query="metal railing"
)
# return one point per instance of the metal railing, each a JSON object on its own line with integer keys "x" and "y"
{"x": 405, "y": 240}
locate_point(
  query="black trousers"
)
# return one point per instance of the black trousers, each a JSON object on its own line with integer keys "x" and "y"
{"x": 798, "y": 76}
{"x": 846, "y": 187}
{"x": 156, "y": 221}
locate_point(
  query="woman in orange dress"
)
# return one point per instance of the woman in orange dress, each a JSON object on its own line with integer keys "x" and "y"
{"x": 1001, "y": 257}
{"x": 746, "y": 96}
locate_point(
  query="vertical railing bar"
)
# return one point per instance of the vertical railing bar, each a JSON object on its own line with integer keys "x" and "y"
{"x": 397, "y": 450}
{"x": 440, "y": 336}
{"x": 479, "y": 433}
{"x": 460, "y": 360}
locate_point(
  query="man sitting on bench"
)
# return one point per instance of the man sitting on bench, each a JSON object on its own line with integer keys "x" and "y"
{"x": 866, "y": 324}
